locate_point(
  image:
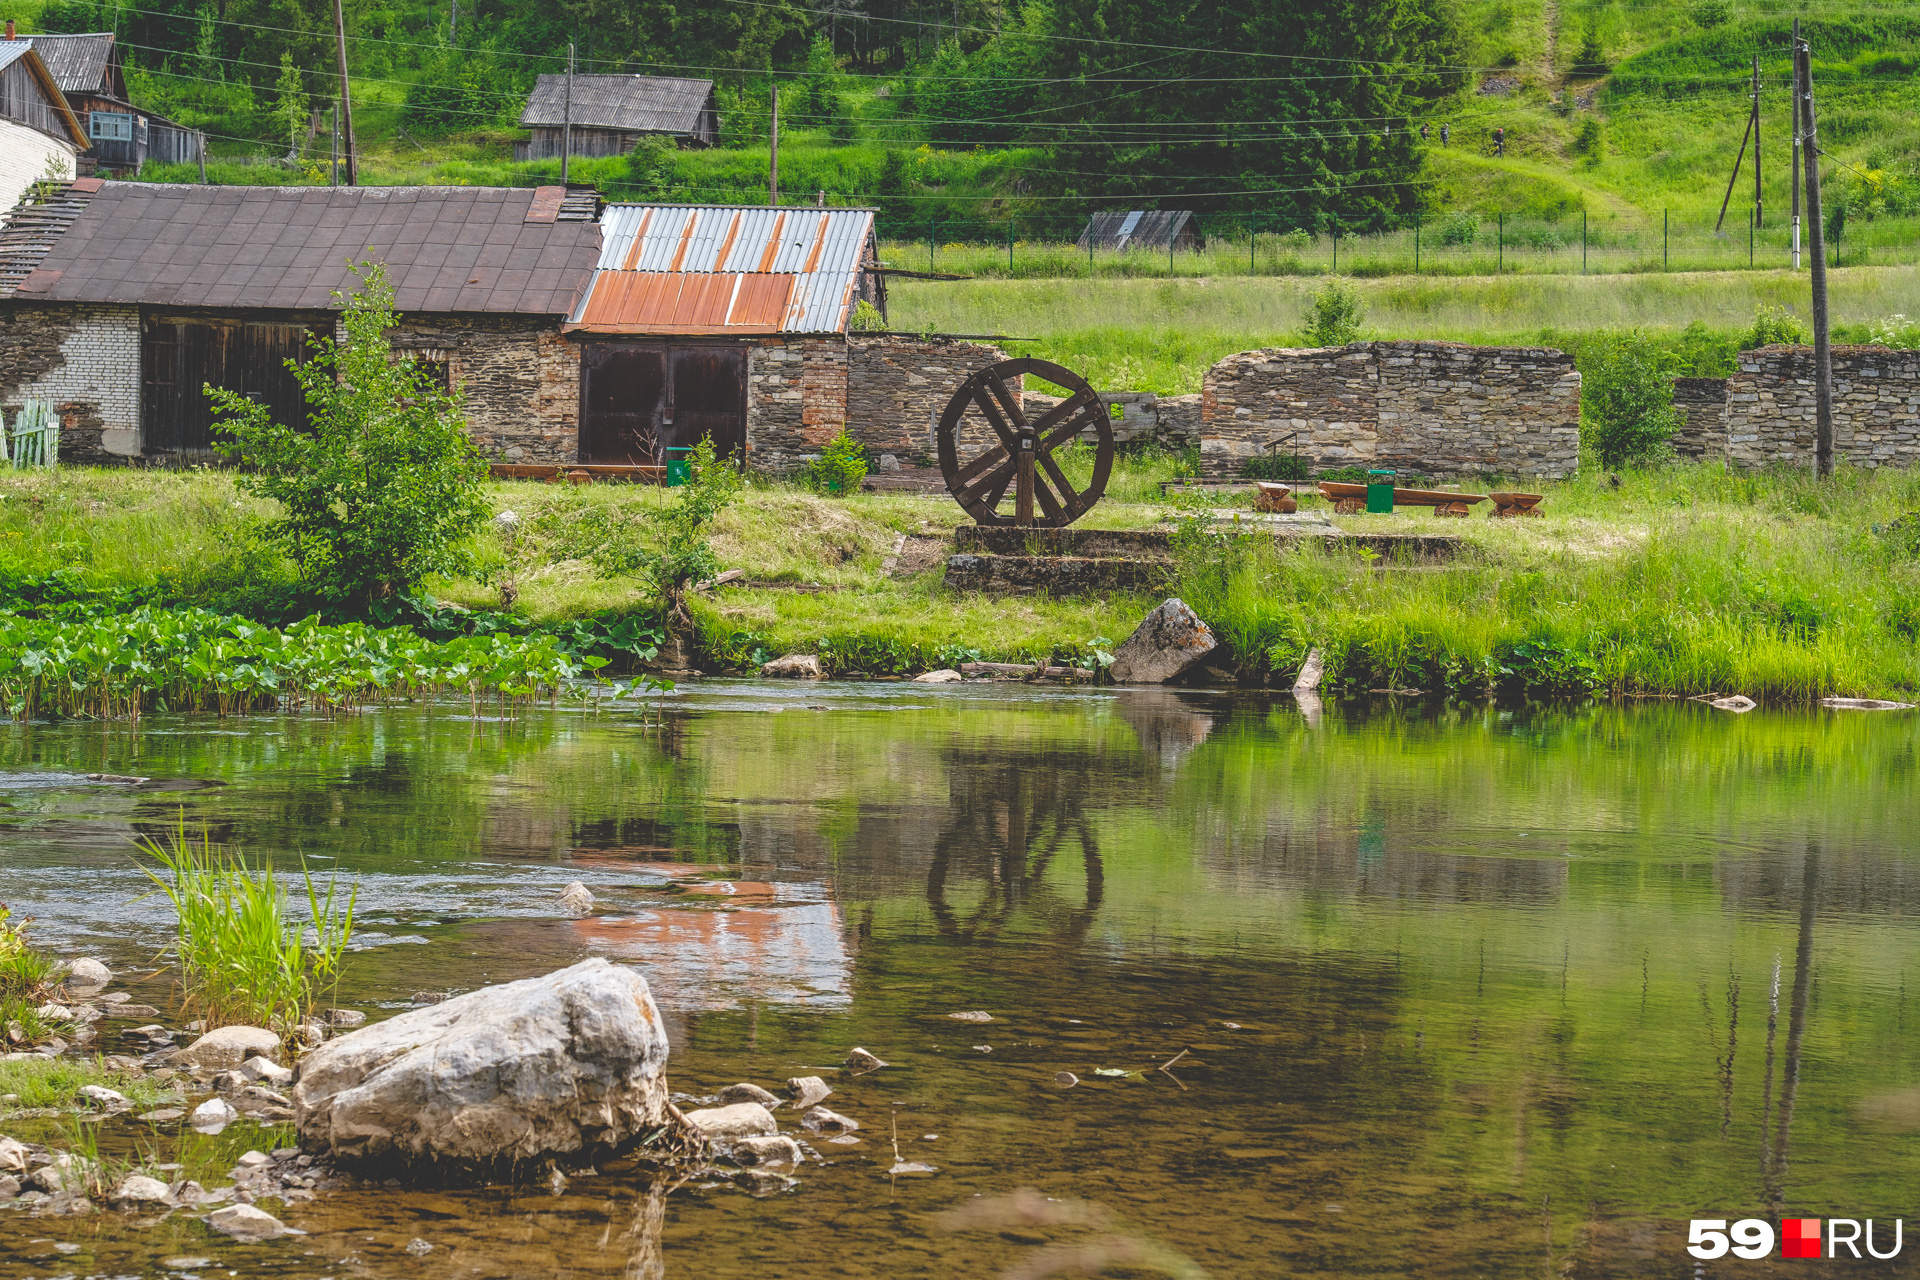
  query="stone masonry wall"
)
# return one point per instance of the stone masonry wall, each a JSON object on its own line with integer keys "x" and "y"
{"x": 796, "y": 399}
{"x": 85, "y": 361}
{"x": 1702, "y": 405}
{"x": 1876, "y": 407}
{"x": 1434, "y": 408}
{"x": 896, "y": 388}
{"x": 520, "y": 376}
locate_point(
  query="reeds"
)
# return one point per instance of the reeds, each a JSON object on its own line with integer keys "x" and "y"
{"x": 244, "y": 958}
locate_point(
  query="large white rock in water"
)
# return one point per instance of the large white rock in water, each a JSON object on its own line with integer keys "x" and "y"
{"x": 571, "y": 1062}
{"x": 1167, "y": 642}
{"x": 226, "y": 1048}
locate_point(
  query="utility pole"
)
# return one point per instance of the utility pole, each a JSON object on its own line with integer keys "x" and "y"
{"x": 333, "y": 149}
{"x": 1796, "y": 144}
{"x": 1752, "y": 120}
{"x": 453, "y": 24}
{"x": 1822, "y": 347}
{"x": 1758, "y": 220}
{"x": 566, "y": 122}
{"x": 773, "y": 149}
{"x": 346, "y": 101}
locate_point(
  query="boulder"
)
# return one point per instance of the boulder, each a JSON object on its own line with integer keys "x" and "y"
{"x": 13, "y": 1156}
{"x": 247, "y": 1224}
{"x": 1739, "y": 704}
{"x": 1166, "y": 643}
{"x": 266, "y": 1072}
{"x": 859, "y": 1061}
{"x": 1312, "y": 671}
{"x": 741, "y": 1120}
{"x": 806, "y": 1091}
{"x": 795, "y": 666}
{"x": 946, "y": 675}
{"x": 773, "y": 1148}
{"x": 735, "y": 1093}
{"x": 576, "y": 901}
{"x": 100, "y": 1095}
{"x": 821, "y": 1120}
{"x": 1865, "y": 704}
{"x": 347, "y": 1018}
{"x": 88, "y": 972}
{"x": 972, "y": 1015}
{"x": 214, "y": 1114}
{"x": 227, "y": 1047}
{"x": 9, "y": 1186}
{"x": 571, "y": 1062}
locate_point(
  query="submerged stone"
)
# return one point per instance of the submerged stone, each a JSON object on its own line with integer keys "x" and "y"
{"x": 808, "y": 1090}
{"x": 748, "y": 1093}
{"x": 247, "y": 1224}
{"x": 226, "y": 1047}
{"x": 568, "y": 1063}
{"x": 741, "y": 1120}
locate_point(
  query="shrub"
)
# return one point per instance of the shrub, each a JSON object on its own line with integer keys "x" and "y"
{"x": 381, "y": 485}
{"x": 1275, "y": 466}
{"x": 1333, "y": 319}
{"x": 1626, "y": 399}
{"x": 1591, "y": 60}
{"x": 244, "y": 958}
{"x": 1590, "y": 140}
{"x": 1459, "y": 230}
{"x": 1774, "y": 325}
{"x": 1895, "y": 331}
{"x": 866, "y": 318}
{"x": 840, "y": 468}
{"x": 1711, "y": 13}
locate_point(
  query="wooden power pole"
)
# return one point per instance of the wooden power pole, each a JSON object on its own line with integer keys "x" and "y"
{"x": 1822, "y": 347}
{"x": 346, "y": 102}
{"x": 773, "y": 149}
{"x": 1758, "y": 200}
{"x": 566, "y": 122}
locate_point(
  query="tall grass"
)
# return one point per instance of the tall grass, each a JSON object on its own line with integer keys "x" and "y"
{"x": 1799, "y": 600}
{"x": 28, "y": 977}
{"x": 244, "y": 957}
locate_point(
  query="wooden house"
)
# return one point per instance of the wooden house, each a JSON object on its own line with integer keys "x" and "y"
{"x": 1147, "y": 229}
{"x": 39, "y": 135}
{"x": 610, "y": 114}
{"x": 90, "y": 72}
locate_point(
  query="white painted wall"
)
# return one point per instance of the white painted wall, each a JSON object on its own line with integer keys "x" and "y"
{"x": 102, "y": 368}
{"x": 27, "y": 156}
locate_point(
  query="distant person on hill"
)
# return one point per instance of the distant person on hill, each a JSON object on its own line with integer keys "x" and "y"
{"x": 1445, "y": 133}
{"x": 1499, "y": 141}
{"x": 1423, "y": 132}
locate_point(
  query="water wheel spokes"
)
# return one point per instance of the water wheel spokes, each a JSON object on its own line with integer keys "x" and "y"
{"x": 1023, "y": 459}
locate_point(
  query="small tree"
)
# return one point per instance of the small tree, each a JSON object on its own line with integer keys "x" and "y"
{"x": 382, "y": 484}
{"x": 1626, "y": 399}
{"x": 1333, "y": 319}
{"x": 841, "y": 466}
{"x": 290, "y": 103}
{"x": 1774, "y": 325}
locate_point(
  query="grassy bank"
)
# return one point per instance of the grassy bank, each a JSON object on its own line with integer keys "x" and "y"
{"x": 1163, "y": 335}
{"x": 1680, "y": 579}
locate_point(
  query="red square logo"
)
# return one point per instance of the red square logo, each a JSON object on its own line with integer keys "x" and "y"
{"x": 1800, "y": 1237}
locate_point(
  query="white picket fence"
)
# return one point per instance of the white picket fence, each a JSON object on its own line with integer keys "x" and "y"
{"x": 34, "y": 439}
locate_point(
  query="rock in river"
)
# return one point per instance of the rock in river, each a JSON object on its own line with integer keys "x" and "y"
{"x": 1167, "y": 642}
{"x": 226, "y": 1047}
{"x": 576, "y": 900}
{"x": 213, "y": 1115}
{"x": 807, "y": 1091}
{"x": 741, "y": 1120}
{"x": 247, "y": 1224}
{"x": 795, "y": 666}
{"x": 821, "y": 1120}
{"x": 748, "y": 1093}
{"x": 87, "y": 972}
{"x": 571, "y": 1062}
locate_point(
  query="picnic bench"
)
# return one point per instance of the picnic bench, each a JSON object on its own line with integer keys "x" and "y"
{"x": 579, "y": 473}
{"x": 1350, "y": 499}
{"x": 1506, "y": 504}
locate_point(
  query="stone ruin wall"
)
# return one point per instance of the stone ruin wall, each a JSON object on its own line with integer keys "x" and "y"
{"x": 1876, "y": 407}
{"x": 1702, "y": 406}
{"x": 520, "y": 379}
{"x": 1432, "y": 408}
{"x": 896, "y": 388}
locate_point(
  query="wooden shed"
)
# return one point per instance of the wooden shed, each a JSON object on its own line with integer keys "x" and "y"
{"x": 89, "y": 69}
{"x": 1161, "y": 229}
{"x": 610, "y": 114}
{"x": 38, "y": 132}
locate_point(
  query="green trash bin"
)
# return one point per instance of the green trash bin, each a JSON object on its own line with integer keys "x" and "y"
{"x": 1380, "y": 493}
{"x": 679, "y": 469}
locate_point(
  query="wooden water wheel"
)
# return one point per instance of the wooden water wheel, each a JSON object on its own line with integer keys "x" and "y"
{"x": 1023, "y": 458}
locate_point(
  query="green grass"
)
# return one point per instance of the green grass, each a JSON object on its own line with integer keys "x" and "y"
{"x": 41, "y": 1082}
{"x": 243, "y": 954}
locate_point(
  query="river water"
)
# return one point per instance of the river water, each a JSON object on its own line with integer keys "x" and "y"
{"x": 1458, "y": 992}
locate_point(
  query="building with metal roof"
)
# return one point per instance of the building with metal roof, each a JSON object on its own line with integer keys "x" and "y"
{"x": 610, "y": 114}
{"x": 1161, "y": 229}
{"x": 88, "y": 67}
{"x": 39, "y": 134}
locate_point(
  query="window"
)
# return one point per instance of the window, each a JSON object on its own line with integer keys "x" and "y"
{"x": 110, "y": 126}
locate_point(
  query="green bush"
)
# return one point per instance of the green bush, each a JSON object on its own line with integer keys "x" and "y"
{"x": 1459, "y": 230}
{"x": 1276, "y": 466}
{"x": 381, "y": 486}
{"x": 1711, "y": 13}
{"x": 1774, "y": 325}
{"x": 1626, "y": 399}
{"x": 1591, "y": 60}
{"x": 840, "y": 468}
{"x": 1590, "y": 140}
{"x": 1333, "y": 318}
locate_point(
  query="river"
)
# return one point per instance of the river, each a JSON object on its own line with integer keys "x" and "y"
{"x": 1462, "y": 991}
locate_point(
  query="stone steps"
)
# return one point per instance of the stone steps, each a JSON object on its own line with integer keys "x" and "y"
{"x": 1055, "y": 575}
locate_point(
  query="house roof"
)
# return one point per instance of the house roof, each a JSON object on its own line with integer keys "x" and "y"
{"x": 12, "y": 51}
{"x": 725, "y": 269}
{"x": 1135, "y": 228}
{"x": 81, "y": 63}
{"x": 646, "y": 104}
{"x": 493, "y": 250}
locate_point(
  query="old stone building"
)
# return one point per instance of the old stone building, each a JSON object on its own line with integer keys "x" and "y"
{"x": 1433, "y": 408}
{"x": 1770, "y": 416}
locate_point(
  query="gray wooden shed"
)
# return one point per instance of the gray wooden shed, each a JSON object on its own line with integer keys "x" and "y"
{"x": 1143, "y": 229}
{"x": 612, "y": 113}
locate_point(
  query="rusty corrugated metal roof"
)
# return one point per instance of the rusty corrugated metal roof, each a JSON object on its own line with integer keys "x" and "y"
{"x": 725, "y": 269}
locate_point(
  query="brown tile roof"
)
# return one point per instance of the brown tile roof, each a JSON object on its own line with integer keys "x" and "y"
{"x": 287, "y": 248}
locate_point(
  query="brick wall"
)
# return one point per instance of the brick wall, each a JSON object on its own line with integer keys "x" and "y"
{"x": 85, "y": 361}
{"x": 1436, "y": 408}
{"x": 1876, "y": 407}
{"x": 25, "y": 155}
{"x": 897, "y": 387}
{"x": 1702, "y": 404}
{"x": 520, "y": 376}
{"x": 796, "y": 398}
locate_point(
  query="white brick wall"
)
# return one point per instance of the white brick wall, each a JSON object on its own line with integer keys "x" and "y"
{"x": 101, "y": 368}
{"x": 24, "y": 158}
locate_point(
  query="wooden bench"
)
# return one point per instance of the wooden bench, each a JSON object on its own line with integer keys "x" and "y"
{"x": 1506, "y": 504}
{"x": 1350, "y": 499}
{"x": 581, "y": 473}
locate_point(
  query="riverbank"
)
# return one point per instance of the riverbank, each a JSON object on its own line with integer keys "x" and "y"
{"x": 1677, "y": 580}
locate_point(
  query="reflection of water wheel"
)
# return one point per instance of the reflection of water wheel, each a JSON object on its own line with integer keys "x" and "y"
{"x": 1023, "y": 458}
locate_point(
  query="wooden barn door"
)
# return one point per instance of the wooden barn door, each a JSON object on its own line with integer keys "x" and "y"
{"x": 639, "y": 398}
{"x": 179, "y": 358}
